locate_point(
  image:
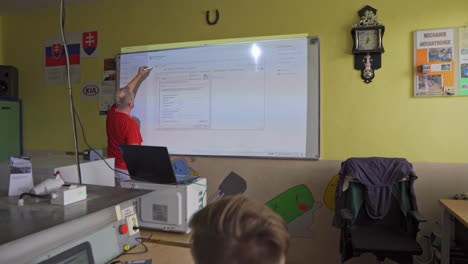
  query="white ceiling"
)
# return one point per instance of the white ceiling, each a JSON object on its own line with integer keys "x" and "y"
{"x": 10, "y": 7}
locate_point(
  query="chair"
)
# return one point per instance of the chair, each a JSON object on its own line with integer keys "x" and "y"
{"x": 392, "y": 236}
{"x": 233, "y": 184}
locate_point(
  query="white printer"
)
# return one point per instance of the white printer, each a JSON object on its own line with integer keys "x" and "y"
{"x": 170, "y": 206}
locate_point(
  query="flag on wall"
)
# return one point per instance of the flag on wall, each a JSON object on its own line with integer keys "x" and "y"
{"x": 55, "y": 55}
{"x": 55, "y": 61}
{"x": 89, "y": 44}
{"x": 80, "y": 45}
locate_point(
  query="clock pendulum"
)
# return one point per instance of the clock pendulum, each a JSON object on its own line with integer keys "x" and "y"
{"x": 367, "y": 73}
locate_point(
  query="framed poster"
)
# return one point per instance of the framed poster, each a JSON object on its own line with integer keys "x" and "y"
{"x": 441, "y": 62}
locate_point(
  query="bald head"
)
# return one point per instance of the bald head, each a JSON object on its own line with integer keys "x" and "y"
{"x": 123, "y": 98}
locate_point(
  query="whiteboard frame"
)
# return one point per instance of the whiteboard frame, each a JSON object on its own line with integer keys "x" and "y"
{"x": 314, "y": 98}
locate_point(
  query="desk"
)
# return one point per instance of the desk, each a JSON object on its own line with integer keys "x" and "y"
{"x": 160, "y": 254}
{"x": 457, "y": 209}
{"x": 42, "y": 229}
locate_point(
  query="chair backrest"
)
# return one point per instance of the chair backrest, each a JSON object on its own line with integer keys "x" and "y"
{"x": 391, "y": 220}
{"x": 233, "y": 184}
{"x": 395, "y": 219}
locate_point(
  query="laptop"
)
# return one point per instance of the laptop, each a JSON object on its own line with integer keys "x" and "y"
{"x": 151, "y": 164}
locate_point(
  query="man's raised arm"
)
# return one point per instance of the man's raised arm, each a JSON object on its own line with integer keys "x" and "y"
{"x": 142, "y": 71}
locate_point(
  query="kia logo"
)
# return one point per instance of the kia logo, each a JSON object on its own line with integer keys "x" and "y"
{"x": 90, "y": 90}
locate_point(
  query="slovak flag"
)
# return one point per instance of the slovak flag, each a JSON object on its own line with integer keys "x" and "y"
{"x": 55, "y": 55}
{"x": 89, "y": 42}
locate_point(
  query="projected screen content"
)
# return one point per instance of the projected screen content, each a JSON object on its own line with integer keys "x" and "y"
{"x": 238, "y": 99}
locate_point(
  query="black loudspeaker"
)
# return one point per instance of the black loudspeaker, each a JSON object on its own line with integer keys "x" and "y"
{"x": 8, "y": 82}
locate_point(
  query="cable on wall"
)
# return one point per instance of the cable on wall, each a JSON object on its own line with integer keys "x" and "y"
{"x": 72, "y": 105}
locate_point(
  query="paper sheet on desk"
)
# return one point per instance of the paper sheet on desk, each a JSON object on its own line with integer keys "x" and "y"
{"x": 20, "y": 176}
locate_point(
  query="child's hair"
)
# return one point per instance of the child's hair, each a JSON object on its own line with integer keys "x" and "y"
{"x": 237, "y": 230}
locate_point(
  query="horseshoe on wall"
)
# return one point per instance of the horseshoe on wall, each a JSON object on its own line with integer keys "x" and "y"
{"x": 208, "y": 18}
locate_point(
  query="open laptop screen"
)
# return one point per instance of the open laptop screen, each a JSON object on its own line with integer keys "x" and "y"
{"x": 148, "y": 163}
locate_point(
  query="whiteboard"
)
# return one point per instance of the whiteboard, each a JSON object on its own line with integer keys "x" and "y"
{"x": 247, "y": 98}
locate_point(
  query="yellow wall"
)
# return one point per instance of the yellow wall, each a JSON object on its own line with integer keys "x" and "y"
{"x": 381, "y": 118}
{"x": 1, "y": 40}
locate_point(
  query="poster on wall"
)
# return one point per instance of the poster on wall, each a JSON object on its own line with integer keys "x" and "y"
{"x": 110, "y": 68}
{"x": 463, "y": 62}
{"x": 55, "y": 61}
{"x": 109, "y": 86}
{"x": 434, "y": 61}
{"x": 106, "y": 96}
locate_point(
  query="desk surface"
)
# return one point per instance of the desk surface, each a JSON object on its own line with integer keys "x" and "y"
{"x": 22, "y": 221}
{"x": 458, "y": 208}
{"x": 166, "y": 238}
{"x": 159, "y": 254}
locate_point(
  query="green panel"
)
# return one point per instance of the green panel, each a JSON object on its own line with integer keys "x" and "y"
{"x": 463, "y": 86}
{"x": 10, "y": 129}
{"x": 292, "y": 203}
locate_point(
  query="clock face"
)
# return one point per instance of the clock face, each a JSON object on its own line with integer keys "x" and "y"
{"x": 368, "y": 39}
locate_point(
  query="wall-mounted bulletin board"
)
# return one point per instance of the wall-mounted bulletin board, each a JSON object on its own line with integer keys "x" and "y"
{"x": 441, "y": 62}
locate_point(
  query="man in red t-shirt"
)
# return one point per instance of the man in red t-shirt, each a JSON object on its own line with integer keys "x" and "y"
{"x": 121, "y": 127}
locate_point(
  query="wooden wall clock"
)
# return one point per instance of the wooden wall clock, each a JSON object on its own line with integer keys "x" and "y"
{"x": 367, "y": 43}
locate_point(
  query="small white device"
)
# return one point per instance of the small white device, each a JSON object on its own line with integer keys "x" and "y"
{"x": 169, "y": 207}
{"x": 68, "y": 195}
{"x": 48, "y": 185}
{"x": 147, "y": 69}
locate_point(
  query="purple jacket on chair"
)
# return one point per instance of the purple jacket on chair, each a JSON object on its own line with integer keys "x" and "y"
{"x": 378, "y": 176}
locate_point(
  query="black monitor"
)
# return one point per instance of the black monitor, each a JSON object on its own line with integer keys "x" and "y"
{"x": 81, "y": 254}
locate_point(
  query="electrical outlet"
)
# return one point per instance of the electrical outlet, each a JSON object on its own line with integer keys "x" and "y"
{"x": 132, "y": 221}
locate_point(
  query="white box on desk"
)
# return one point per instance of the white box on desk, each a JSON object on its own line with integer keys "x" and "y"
{"x": 69, "y": 194}
{"x": 92, "y": 172}
{"x": 169, "y": 207}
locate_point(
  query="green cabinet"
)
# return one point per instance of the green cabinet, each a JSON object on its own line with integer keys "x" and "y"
{"x": 10, "y": 129}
